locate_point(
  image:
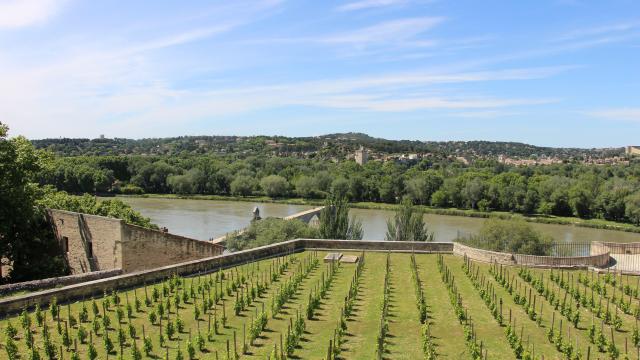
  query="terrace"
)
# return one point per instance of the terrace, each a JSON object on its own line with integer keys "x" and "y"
{"x": 399, "y": 301}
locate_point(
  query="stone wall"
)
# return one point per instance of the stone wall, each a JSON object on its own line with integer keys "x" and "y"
{"x": 148, "y": 249}
{"x": 483, "y": 255}
{"x": 48, "y": 283}
{"x": 95, "y": 243}
{"x": 600, "y": 260}
{"x": 368, "y": 245}
{"x": 595, "y": 260}
{"x": 92, "y": 243}
{"x": 598, "y": 247}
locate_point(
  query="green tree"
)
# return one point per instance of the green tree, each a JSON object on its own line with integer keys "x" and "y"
{"x": 408, "y": 224}
{"x": 274, "y": 185}
{"x": 26, "y": 239}
{"x": 243, "y": 185}
{"x": 307, "y": 187}
{"x": 340, "y": 187}
{"x": 335, "y": 223}
{"x": 632, "y": 208}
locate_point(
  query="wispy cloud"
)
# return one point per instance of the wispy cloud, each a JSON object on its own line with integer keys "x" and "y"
{"x": 618, "y": 114}
{"x": 21, "y": 13}
{"x": 368, "y": 4}
{"x": 599, "y": 31}
{"x": 398, "y": 32}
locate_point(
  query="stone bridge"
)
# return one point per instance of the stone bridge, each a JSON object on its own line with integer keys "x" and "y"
{"x": 308, "y": 216}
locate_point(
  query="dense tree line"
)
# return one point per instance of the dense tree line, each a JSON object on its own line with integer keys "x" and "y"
{"x": 324, "y": 146}
{"x": 606, "y": 192}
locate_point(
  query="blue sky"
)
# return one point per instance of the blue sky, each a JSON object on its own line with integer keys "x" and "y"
{"x": 547, "y": 72}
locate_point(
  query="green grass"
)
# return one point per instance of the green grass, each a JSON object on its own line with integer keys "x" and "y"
{"x": 402, "y": 342}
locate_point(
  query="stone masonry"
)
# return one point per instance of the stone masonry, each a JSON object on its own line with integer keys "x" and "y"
{"x": 96, "y": 243}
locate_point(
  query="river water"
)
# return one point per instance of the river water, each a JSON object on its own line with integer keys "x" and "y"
{"x": 205, "y": 219}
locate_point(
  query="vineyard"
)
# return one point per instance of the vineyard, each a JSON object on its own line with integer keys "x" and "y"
{"x": 386, "y": 306}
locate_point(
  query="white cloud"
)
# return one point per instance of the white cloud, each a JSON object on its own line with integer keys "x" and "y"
{"x": 368, "y": 4}
{"x": 598, "y": 31}
{"x": 619, "y": 114}
{"x": 21, "y": 13}
{"x": 389, "y": 31}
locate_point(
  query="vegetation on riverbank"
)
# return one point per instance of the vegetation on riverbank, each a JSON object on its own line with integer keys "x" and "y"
{"x": 543, "y": 219}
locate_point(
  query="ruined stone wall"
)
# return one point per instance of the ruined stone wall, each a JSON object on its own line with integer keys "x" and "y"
{"x": 147, "y": 249}
{"x": 92, "y": 243}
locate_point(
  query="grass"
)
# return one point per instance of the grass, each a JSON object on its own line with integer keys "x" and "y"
{"x": 403, "y": 340}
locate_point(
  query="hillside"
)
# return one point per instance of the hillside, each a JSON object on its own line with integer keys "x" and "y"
{"x": 338, "y": 144}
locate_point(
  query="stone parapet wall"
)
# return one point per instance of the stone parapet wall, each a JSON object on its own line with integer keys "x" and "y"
{"x": 148, "y": 249}
{"x": 48, "y": 283}
{"x": 600, "y": 260}
{"x": 367, "y": 245}
{"x": 595, "y": 260}
{"x": 92, "y": 242}
{"x": 598, "y": 247}
{"x": 483, "y": 255}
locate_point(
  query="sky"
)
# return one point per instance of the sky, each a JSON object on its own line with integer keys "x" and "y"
{"x": 545, "y": 72}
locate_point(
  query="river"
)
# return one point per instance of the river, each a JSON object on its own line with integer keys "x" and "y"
{"x": 205, "y": 219}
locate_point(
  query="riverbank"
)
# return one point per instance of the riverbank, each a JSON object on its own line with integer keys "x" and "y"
{"x": 543, "y": 219}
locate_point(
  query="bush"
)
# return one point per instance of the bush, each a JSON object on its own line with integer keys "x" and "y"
{"x": 268, "y": 231}
{"x": 274, "y": 186}
{"x": 131, "y": 189}
{"x": 514, "y": 236}
{"x": 243, "y": 185}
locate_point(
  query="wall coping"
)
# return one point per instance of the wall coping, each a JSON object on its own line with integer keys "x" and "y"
{"x": 162, "y": 233}
{"x": 73, "y": 213}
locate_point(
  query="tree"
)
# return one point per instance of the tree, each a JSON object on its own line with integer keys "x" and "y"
{"x": 408, "y": 224}
{"x": 473, "y": 191}
{"x": 307, "y": 187}
{"x": 514, "y": 236}
{"x": 335, "y": 223}
{"x": 243, "y": 185}
{"x": 274, "y": 185}
{"x": 26, "y": 239}
{"x": 340, "y": 187}
{"x": 632, "y": 208}
{"x": 416, "y": 190}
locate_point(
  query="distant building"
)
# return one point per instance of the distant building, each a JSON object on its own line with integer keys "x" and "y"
{"x": 361, "y": 156}
{"x": 632, "y": 150}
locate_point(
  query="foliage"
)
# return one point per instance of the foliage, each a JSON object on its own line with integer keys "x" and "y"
{"x": 275, "y": 185}
{"x": 335, "y": 223}
{"x": 88, "y": 204}
{"x": 268, "y": 231}
{"x": 313, "y": 168}
{"x": 514, "y": 236}
{"x": 26, "y": 240}
{"x": 408, "y": 224}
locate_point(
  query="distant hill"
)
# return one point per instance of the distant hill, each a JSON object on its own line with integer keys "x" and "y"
{"x": 335, "y": 144}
